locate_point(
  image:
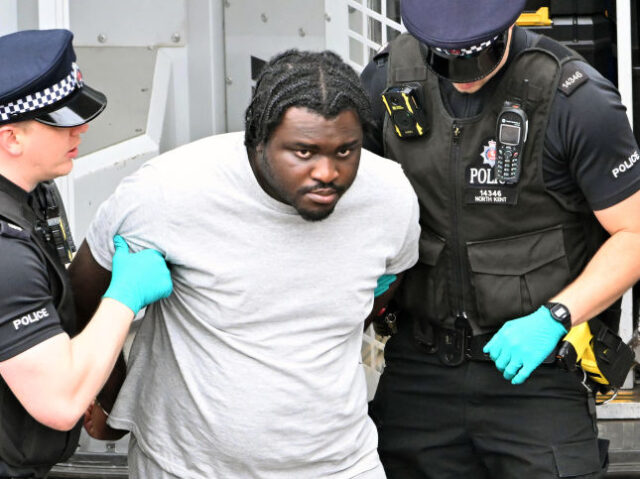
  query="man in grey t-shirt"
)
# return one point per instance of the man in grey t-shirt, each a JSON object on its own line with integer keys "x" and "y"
{"x": 276, "y": 240}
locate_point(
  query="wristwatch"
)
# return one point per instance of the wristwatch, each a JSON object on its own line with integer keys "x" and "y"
{"x": 560, "y": 313}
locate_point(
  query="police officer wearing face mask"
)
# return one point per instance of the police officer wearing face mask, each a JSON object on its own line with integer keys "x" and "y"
{"x": 47, "y": 380}
{"x": 527, "y": 173}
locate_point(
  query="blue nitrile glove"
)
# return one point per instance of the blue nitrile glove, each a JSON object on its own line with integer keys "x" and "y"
{"x": 384, "y": 282}
{"x": 138, "y": 279}
{"x": 522, "y": 344}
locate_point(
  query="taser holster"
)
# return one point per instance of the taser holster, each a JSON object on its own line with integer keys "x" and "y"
{"x": 604, "y": 357}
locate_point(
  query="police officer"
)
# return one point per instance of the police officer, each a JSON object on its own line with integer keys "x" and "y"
{"x": 512, "y": 253}
{"x": 47, "y": 379}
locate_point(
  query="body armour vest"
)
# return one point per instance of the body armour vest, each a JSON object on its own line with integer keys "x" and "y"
{"x": 27, "y": 447}
{"x": 489, "y": 251}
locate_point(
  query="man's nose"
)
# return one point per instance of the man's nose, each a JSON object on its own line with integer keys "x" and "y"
{"x": 325, "y": 170}
{"x": 80, "y": 129}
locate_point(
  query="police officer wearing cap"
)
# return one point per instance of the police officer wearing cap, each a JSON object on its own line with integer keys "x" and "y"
{"x": 48, "y": 380}
{"x": 512, "y": 253}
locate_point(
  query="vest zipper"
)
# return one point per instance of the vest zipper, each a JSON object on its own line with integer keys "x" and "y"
{"x": 455, "y": 236}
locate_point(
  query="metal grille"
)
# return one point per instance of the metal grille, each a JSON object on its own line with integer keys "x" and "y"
{"x": 372, "y": 23}
{"x": 357, "y": 29}
{"x": 372, "y": 359}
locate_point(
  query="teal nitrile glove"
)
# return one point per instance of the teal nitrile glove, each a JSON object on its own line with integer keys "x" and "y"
{"x": 138, "y": 279}
{"x": 522, "y": 344}
{"x": 384, "y": 282}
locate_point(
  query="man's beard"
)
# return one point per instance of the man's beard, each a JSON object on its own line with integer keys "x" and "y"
{"x": 306, "y": 214}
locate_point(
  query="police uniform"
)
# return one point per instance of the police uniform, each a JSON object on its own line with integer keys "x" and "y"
{"x": 39, "y": 81}
{"x": 491, "y": 251}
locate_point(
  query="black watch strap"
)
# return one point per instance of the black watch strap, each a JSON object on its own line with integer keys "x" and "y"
{"x": 560, "y": 313}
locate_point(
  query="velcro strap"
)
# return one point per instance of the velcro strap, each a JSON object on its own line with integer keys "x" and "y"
{"x": 417, "y": 73}
{"x": 557, "y": 49}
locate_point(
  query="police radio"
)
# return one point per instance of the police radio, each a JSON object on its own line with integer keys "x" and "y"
{"x": 511, "y": 135}
{"x": 54, "y": 227}
{"x": 404, "y": 110}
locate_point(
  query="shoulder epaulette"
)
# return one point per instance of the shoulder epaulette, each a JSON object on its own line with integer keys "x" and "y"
{"x": 10, "y": 230}
{"x": 380, "y": 58}
{"x": 572, "y": 77}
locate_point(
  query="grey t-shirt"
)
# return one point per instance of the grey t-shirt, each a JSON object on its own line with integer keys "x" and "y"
{"x": 251, "y": 368}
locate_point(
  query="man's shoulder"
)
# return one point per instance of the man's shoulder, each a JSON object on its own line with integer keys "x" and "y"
{"x": 376, "y": 163}
{"x": 198, "y": 160}
{"x": 374, "y": 74}
{"x": 15, "y": 243}
{"x": 19, "y": 258}
{"x": 212, "y": 147}
{"x": 582, "y": 90}
{"x": 382, "y": 172}
{"x": 11, "y": 230}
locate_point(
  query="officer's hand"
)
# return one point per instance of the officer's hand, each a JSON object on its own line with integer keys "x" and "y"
{"x": 138, "y": 279}
{"x": 522, "y": 344}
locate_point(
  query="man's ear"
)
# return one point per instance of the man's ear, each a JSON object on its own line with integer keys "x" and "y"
{"x": 11, "y": 136}
{"x": 256, "y": 152}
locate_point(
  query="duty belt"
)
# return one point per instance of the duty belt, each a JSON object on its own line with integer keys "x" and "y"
{"x": 454, "y": 346}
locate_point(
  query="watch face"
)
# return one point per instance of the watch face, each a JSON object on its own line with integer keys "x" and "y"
{"x": 560, "y": 313}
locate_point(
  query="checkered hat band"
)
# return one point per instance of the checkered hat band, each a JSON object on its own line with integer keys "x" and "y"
{"x": 43, "y": 98}
{"x": 461, "y": 52}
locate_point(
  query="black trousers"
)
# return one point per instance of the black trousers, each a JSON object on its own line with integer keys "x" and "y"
{"x": 468, "y": 422}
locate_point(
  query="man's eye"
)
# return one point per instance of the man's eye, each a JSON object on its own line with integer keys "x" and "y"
{"x": 304, "y": 154}
{"x": 344, "y": 153}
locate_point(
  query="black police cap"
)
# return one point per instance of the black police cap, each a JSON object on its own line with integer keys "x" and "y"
{"x": 454, "y": 24}
{"x": 39, "y": 80}
{"x": 466, "y": 39}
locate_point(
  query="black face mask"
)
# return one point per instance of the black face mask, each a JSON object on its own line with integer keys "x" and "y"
{"x": 467, "y": 68}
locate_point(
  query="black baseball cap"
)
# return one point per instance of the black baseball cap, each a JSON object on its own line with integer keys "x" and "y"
{"x": 465, "y": 39}
{"x": 41, "y": 81}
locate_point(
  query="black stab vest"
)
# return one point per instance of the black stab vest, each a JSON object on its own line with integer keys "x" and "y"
{"x": 489, "y": 252}
{"x": 27, "y": 447}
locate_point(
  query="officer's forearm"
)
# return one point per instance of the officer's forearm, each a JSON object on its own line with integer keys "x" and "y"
{"x": 613, "y": 270}
{"x": 108, "y": 330}
{"x": 57, "y": 379}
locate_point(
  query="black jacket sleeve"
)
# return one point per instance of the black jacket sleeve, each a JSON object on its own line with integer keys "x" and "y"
{"x": 590, "y": 149}
{"x": 27, "y": 312}
{"x": 374, "y": 80}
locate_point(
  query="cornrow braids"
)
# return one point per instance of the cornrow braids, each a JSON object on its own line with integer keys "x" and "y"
{"x": 318, "y": 81}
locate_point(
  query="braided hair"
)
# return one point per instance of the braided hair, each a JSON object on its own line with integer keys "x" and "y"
{"x": 318, "y": 81}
